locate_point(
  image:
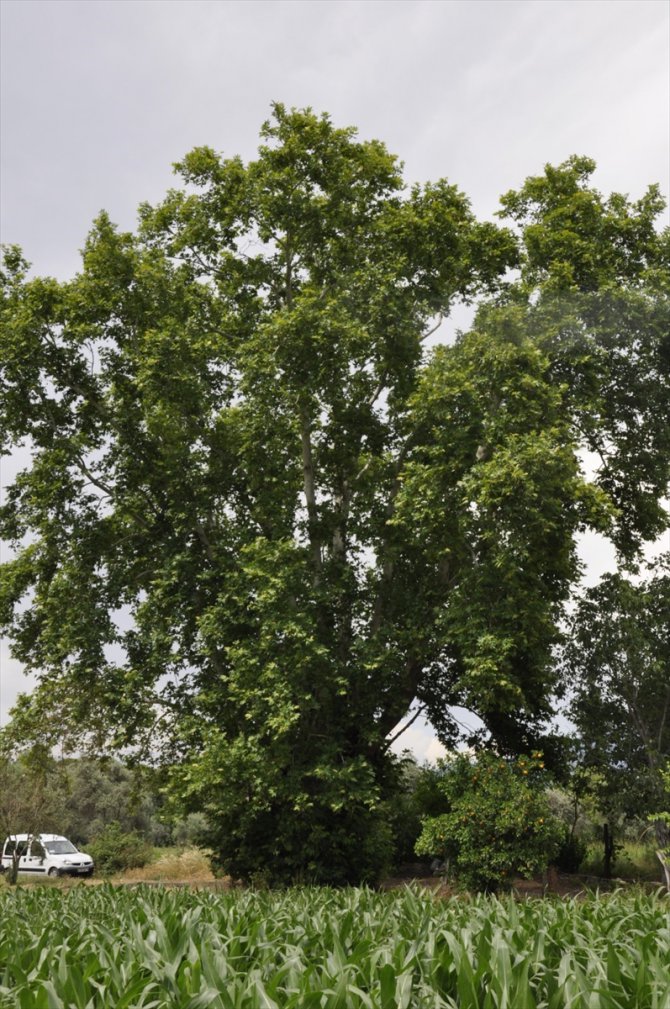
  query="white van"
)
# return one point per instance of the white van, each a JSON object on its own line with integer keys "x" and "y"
{"x": 46, "y": 855}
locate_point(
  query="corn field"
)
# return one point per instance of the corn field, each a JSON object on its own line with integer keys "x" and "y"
{"x": 107, "y": 948}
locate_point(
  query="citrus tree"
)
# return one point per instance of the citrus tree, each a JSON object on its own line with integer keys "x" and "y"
{"x": 499, "y": 823}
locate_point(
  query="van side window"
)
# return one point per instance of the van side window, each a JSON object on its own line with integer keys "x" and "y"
{"x": 11, "y": 846}
{"x": 37, "y": 851}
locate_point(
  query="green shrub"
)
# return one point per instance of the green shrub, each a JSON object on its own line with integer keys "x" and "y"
{"x": 336, "y": 848}
{"x": 499, "y": 823}
{"x": 662, "y": 823}
{"x": 337, "y": 830}
{"x": 114, "y": 849}
{"x": 571, "y": 853}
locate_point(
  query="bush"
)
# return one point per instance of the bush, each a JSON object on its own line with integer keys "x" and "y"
{"x": 499, "y": 823}
{"x": 337, "y": 849}
{"x": 571, "y": 853}
{"x": 324, "y": 823}
{"x": 114, "y": 850}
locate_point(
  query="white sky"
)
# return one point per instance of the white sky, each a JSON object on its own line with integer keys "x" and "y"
{"x": 99, "y": 98}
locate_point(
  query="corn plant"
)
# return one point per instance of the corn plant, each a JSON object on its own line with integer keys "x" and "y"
{"x": 150, "y": 948}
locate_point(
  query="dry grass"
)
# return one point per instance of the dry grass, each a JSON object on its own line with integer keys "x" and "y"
{"x": 188, "y": 865}
{"x": 173, "y": 865}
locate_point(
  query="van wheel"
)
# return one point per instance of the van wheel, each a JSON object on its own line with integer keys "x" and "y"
{"x": 53, "y": 871}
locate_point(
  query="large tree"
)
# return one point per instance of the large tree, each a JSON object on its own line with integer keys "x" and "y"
{"x": 263, "y": 518}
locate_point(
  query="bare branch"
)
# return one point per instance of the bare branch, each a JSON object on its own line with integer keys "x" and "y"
{"x": 364, "y": 469}
{"x": 378, "y": 390}
{"x": 389, "y": 742}
{"x": 434, "y": 329}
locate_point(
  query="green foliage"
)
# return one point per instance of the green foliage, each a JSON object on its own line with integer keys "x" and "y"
{"x": 333, "y": 828}
{"x": 114, "y": 849}
{"x": 635, "y": 860}
{"x": 100, "y": 792}
{"x": 570, "y": 805}
{"x": 33, "y": 791}
{"x": 418, "y": 796}
{"x": 661, "y": 820}
{"x": 190, "y": 830}
{"x": 571, "y": 853}
{"x": 664, "y": 815}
{"x": 616, "y": 665}
{"x": 325, "y": 949}
{"x": 242, "y": 440}
{"x": 498, "y": 823}
{"x": 79, "y": 797}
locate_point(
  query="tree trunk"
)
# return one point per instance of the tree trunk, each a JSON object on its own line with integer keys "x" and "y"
{"x": 608, "y": 850}
{"x": 663, "y": 851}
{"x": 662, "y": 856}
{"x": 309, "y": 487}
{"x": 13, "y": 873}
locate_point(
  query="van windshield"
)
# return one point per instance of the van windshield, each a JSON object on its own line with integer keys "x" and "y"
{"x": 60, "y": 847}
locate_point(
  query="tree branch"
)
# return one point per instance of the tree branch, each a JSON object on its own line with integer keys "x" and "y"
{"x": 664, "y": 716}
{"x": 420, "y": 710}
{"x": 204, "y": 539}
{"x": 96, "y": 481}
{"x": 434, "y": 329}
{"x": 310, "y": 494}
{"x": 403, "y": 698}
{"x": 381, "y": 385}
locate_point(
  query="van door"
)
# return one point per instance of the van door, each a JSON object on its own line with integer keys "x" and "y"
{"x": 23, "y": 848}
{"x": 12, "y": 845}
{"x": 35, "y": 859}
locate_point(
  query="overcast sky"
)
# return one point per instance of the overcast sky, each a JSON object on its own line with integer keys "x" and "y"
{"x": 99, "y": 98}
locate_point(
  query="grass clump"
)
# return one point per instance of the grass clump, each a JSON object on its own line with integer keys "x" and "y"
{"x": 189, "y": 865}
{"x": 634, "y": 861}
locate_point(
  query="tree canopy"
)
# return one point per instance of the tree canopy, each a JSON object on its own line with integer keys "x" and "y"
{"x": 264, "y": 515}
